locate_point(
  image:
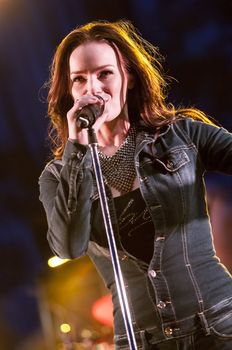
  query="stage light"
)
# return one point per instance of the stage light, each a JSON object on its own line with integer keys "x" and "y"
{"x": 65, "y": 328}
{"x": 55, "y": 261}
{"x": 102, "y": 310}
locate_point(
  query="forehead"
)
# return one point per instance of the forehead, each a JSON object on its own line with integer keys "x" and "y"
{"x": 92, "y": 54}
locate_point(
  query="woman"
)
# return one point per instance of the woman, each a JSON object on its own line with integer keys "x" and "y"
{"x": 153, "y": 158}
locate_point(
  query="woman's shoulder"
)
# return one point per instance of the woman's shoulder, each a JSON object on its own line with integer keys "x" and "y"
{"x": 53, "y": 167}
{"x": 189, "y": 124}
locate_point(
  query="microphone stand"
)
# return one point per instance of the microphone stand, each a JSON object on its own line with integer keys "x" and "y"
{"x": 92, "y": 140}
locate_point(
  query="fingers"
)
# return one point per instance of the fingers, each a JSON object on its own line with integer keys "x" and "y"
{"x": 85, "y": 100}
{"x": 76, "y": 132}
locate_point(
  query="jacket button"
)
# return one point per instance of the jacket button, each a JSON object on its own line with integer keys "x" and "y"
{"x": 169, "y": 164}
{"x": 79, "y": 155}
{"x": 152, "y": 273}
{"x": 124, "y": 257}
{"x": 144, "y": 178}
{"x": 161, "y": 304}
{"x": 168, "y": 331}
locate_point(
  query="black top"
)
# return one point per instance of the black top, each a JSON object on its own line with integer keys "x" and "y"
{"x": 136, "y": 229}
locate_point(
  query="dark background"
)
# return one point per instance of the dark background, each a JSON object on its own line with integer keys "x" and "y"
{"x": 194, "y": 36}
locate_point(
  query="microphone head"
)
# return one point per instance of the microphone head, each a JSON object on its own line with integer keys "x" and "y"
{"x": 90, "y": 112}
{"x": 87, "y": 116}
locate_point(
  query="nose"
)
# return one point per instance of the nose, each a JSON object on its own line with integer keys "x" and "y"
{"x": 93, "y": 86}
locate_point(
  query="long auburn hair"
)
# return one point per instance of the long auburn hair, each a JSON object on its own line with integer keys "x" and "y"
{"x": 147, "y": 99}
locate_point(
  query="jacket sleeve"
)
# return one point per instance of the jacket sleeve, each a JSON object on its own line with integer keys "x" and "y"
{"x": 214, "y": 145}
{"x": 65, "y": 191}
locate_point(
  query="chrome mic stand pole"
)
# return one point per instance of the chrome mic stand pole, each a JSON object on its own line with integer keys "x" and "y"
{"x": 109, "y": 232}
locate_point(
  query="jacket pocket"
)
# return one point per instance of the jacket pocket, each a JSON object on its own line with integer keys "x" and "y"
{"x": 174, "y": 160}
{"x": 223, "y": 327}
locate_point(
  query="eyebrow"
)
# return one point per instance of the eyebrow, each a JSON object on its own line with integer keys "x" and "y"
{"x": 98, "y": 68}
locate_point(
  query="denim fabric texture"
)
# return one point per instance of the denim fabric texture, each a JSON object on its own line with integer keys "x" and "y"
{"x": 183, "y": 298}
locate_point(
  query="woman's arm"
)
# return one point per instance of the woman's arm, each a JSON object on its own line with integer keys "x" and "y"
{"x": 65, "y": 191}
{"x": 214, "y": 145}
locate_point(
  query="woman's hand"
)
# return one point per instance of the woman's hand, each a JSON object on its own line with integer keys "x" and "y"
{"x": 74, "y": 131}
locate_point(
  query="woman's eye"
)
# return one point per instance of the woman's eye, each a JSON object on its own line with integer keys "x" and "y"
{"x": 78, "y": 79}
{"x": 105, "y": 73}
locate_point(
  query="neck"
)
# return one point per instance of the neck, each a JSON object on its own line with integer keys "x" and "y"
{"x": 113, "y": 133}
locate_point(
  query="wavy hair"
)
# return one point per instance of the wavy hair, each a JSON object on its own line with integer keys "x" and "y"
{"x": 147, "y": 99}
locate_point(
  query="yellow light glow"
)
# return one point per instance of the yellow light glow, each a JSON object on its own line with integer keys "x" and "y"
{"x": 55, "y": 261}
{"x": 65, "y": 328}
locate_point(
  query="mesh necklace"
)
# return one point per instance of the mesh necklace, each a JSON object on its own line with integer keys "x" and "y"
{"x": 119, "y": 169}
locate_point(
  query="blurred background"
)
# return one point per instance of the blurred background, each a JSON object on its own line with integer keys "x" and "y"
{"x": 49, "y": 308}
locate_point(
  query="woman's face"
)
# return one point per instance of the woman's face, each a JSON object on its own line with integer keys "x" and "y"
{"x": 96, "y": 69}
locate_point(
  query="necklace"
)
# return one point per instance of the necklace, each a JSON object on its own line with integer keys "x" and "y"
{"x": 119, "y": 169}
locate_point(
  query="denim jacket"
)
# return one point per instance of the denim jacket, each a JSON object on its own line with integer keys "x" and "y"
{"x": 185, "y": 287}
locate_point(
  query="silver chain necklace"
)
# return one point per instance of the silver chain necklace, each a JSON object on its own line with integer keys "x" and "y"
{"x": 119, "y": 169}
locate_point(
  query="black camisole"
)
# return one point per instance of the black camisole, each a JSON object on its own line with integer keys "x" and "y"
{"x": 136, "y": 228}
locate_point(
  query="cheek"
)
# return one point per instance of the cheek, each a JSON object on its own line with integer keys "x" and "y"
{"x": 75, "y": 92}
{"x": 119, "y": 89}
{"x": 72, "y": 90}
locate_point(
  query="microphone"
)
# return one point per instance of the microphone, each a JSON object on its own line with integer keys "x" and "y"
{"x": 87, "y": 116}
